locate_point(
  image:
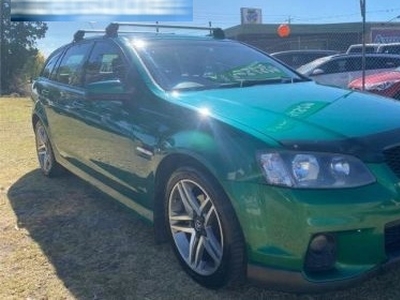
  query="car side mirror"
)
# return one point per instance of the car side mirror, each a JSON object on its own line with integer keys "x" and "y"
{"x": 317, "y": 72}
{"x": 112, "y": 90}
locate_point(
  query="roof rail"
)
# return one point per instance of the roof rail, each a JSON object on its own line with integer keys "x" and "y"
{"x": 216, "y": 32}
{"x": 112, "y": 30}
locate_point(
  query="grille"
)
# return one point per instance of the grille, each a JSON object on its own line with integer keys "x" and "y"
{"x": 392, "y": 238}
{"x": 392, "y": 158}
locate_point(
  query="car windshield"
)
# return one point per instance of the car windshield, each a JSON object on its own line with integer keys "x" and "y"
{"x": 183, "y": 64}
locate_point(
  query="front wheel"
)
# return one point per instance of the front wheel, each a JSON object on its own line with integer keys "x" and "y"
{"x": 203, "y": 229}
{"x": 47, "y": 162}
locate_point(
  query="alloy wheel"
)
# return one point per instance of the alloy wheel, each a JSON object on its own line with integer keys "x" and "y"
{"x": 196, "y": 227}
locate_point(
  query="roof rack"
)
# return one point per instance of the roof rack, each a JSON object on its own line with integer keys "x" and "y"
{"x": 112, "y": 30}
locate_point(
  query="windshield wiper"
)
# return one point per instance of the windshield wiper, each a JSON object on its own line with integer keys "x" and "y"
{"x": 245, "y": 83}
{"x": 252, "y": 82}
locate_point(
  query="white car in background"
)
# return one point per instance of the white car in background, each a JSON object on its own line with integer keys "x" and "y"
{"x": 339, "y": 70}
{"x": 390, "y": 48}
{"x": 297, "y": 58}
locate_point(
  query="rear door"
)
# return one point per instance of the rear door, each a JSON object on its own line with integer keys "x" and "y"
{"x": 61, "y": 91}
{"x": 64, "y": 93}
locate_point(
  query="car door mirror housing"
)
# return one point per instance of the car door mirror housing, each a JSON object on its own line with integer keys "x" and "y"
{"x": 317, "y": 72}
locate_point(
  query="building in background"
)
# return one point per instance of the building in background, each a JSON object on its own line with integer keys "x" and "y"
{"x": 313, "y": 36}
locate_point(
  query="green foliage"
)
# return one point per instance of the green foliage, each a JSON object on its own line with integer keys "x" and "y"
{"x": 20, "y": 58}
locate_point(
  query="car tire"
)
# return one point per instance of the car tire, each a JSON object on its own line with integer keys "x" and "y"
{"x": 203, "y": 229}
{"x": 45, "y": 154}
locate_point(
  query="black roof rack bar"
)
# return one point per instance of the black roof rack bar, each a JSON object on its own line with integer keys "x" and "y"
{"x": 80, "y": 34}
{"x": 112, "y": 29}
{"x": 214, "y": 31}
{"x": 163, "y": 26}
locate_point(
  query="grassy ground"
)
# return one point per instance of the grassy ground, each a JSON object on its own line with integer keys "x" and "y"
{"x": 62, "y": 239}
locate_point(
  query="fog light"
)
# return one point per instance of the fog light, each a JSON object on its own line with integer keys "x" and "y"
{"x": 321, "y": 254}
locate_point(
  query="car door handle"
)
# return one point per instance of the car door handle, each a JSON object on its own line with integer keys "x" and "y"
{"x": 45, "y": 92}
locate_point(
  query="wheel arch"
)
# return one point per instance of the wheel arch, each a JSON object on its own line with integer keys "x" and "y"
{"x": 35, "y": 119}
{"x": 171, "y": 163}
{"x": 39, "y": 115}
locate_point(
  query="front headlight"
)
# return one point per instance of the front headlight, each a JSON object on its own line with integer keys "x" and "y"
{"x": 313, "y": 170}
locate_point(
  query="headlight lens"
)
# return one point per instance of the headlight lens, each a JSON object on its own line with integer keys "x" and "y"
{"x": 314, "y": 170}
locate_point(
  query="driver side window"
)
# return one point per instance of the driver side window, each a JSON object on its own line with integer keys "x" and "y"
{"x": 105, "y": 63}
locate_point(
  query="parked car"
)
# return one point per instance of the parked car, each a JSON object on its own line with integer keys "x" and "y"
{"x": 297, "y": 58}
{"x": 384, "y": 83}
{"x": 339, "y": 70}
{"x": 392, "y": 48}
{"x": 389, "y": 48}
{"x": 246, "y": 167}
{"x": 357, "y": 48}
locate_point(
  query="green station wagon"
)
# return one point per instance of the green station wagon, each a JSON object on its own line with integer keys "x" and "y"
{"x": 247, "y": 168}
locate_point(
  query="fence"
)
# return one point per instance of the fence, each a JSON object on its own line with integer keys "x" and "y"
{"x": 302, "y": 43}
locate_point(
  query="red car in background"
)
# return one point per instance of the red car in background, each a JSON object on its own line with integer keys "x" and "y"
{"x": 383, "y": 83}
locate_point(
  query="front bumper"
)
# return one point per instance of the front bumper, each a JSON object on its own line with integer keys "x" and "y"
{"x": 296, "y": 282}
{"x": 279, "y": 225}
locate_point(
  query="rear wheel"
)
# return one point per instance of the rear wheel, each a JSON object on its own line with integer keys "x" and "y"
{"x": 45, "y": 153}
{"x": 203, "y": 229}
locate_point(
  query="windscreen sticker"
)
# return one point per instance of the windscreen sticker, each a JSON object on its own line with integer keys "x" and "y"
{"x": 254, "y": 71}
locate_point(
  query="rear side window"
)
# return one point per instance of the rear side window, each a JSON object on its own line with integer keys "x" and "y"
{"x": 390, "y": 49}
{"x": 382, "y": 62}
{"x": 335, "y": 66}
{"x": 358, "y": 49}
{"x": 50, "y": 65}
{"x": 70, "y": 68}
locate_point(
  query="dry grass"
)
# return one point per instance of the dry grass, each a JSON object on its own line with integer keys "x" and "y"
{"x": 61, "y": 239}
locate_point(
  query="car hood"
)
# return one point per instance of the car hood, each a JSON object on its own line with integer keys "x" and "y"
{"x": 376, "y": 79}
{"x": 299, "y": 113}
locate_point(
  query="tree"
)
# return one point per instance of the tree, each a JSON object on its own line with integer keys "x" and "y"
{"x": 18, "y": 46}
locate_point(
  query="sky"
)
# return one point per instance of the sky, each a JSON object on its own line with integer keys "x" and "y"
{"x": 226, "y": 13}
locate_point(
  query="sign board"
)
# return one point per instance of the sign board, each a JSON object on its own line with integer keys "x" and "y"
{"x": 251, "y": 15}
{"x": 385, "y": 35}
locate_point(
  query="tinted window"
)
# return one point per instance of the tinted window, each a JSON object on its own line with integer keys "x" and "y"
{"x": 298, "y": 59}
{"x": 382, "y": 62}
{"x": 105, "y": 63}
{"x": 70, "y": 69}
{"x": 353, "y": 64}
{"x": 335, "y": 66}
{"x": 50, "y": 64}
{"x": 358, "y": 49}
{"x": 390, "y": 49}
